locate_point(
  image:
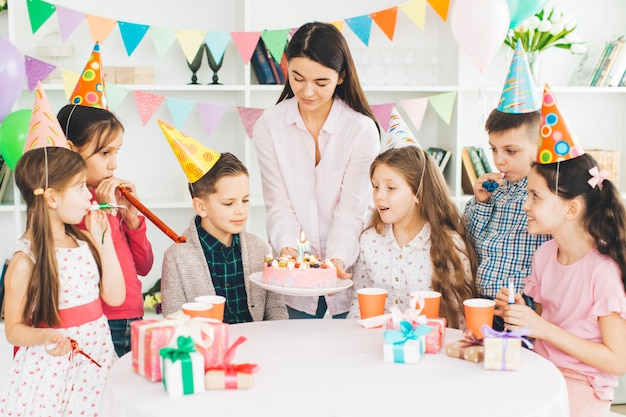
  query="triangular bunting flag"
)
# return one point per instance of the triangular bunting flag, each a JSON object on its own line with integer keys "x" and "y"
{"x": 44, "y": 128}
{"x": 338, "y": 24}
{"x": 443, "y": 105}
{"x": 249, "y": 116}
{"x": 441, "y": 7}
{"x": 386, "y": 21}
{"x": 415, "y": 109}
{"x": 162, "y": 38}
{"x": 147, "y": 104}
{"x": 39, "y": 12}
{"x": 210, "y": 114}
{"x": 179, "y": 109}
{"x": 190, "y": 42}
{"x": 69, "y": 20}
{"x": 361, "y": 26}
{"x": 36, "y": 71}
{"x": 100, "y": 27}
{"x": 116, "y": 95}
{"x": 70, "y": 78}
{"x": 132, "y": 35}
{"x": 217, "y": 43}
{"x": 382, "y": 112}
{"x": 416, "y": 11}
{"x": 398, "y": 135}
{"x": 245, "y": 43}
{"x": 275, "y": 41}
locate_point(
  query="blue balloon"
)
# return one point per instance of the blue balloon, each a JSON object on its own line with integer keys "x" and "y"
{"x": 12, "y": 76}
{"x": 523, "y": 9}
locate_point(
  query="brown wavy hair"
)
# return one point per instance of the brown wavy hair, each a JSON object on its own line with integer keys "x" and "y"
{"x": 438, "y": 209}
{"x": 42, "y": 168}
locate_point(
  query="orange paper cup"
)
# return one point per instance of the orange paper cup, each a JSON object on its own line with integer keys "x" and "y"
{"x": 197, "y": 309}
{"x": 371, "y": 302}
{"x": 478, "y": 311}
{"x": 432, "y": 299}
{"x": 217, "y": 312}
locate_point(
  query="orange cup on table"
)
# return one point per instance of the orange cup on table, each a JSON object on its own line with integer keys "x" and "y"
{"x": 371, "y": 302}
{"x": 197, "y": 309}
{"x": 478, "y": 311}
{"x": 217, "y": 312}
{"x": 432, "y": 300}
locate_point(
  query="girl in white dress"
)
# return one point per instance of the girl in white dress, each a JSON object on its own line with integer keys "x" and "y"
{"x": 54, "y": 286}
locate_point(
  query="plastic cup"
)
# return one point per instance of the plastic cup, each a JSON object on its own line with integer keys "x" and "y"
{"x": 371, "y": 302}
{"x": 217, "y": 312}
{"x": 478, "y": 311}
{"x": 197, "y": 309}
{"x": 432, "y": 300}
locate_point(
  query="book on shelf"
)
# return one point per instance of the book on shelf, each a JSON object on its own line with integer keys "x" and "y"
{"x": 441, "y": 156}
{"x": 611, "y": 53}
{"x": 5, "y": 177}
{"x": 618, "y": 69}
{"x": 468, "y": 175}
{"x": 583, "y": 75}
{"x": 477, "y": 163}
{"x": 275, "y": 67}
{"x": 261, "y": 65}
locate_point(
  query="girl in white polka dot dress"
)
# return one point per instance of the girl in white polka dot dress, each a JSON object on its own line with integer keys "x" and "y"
{"x": 54, "y": 286}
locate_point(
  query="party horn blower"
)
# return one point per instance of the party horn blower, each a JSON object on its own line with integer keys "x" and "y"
{"x": 151, "y": 216}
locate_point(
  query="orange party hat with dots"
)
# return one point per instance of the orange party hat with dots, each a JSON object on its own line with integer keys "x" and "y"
{"x": 519, "y": 94}
{"x": 44, "y": 129}
{"x": 398, "y": 134}
{"x": 195, "y": 158}
{"x": 557, "y": 141}
{"x": 90, "y": 89}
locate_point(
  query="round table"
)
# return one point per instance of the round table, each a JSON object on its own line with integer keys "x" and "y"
{"x": 330, "y": 367}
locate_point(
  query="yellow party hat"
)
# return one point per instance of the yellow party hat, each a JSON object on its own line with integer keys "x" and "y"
{"x": 195, "y": 158}
{"x": 90, "y": 89}
{"x": 44, "y": 129}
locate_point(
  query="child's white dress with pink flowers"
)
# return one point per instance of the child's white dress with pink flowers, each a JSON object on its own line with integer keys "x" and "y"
{"x": 40, "y": 384}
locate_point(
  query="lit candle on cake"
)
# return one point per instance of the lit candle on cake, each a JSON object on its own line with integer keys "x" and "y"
{"x": 303, "y": 247}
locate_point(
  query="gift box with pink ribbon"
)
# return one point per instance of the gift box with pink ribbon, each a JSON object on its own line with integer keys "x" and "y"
{"x": 470, "y": 348}
{"x": 228, "y": 375}
{"x": 406, "y": 345}
{"x": 183, "y": 368}
{"x": 503, "y": 350}
{"x": 149, "y": 336}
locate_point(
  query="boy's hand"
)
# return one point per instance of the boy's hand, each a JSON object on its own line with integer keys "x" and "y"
{"x": 480, "y": 192}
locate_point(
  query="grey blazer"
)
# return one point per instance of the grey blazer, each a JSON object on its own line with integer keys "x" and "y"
{"x": 186, "y": 276}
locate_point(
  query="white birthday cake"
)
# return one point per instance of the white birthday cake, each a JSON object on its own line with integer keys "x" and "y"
{"x": 310, "y": 273}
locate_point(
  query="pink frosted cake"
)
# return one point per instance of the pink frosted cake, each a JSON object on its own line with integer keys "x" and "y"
{"x": 311, "y": 273}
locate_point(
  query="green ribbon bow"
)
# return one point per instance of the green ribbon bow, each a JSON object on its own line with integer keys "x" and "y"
{"x": 186, "y": 346}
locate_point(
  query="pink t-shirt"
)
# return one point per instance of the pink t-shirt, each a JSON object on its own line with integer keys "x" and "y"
{"x": 573, "y": 297}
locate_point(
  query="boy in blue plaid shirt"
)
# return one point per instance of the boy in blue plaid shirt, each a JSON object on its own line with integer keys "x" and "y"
{"x": 495, "y": 219}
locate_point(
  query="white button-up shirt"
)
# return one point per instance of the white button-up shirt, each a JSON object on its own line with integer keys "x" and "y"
{"x": 328, "y": 201}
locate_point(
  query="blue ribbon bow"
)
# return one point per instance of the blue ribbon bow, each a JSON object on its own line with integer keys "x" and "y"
{"x": 406, "y": 333}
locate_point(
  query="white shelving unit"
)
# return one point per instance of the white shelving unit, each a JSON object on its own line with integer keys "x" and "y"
{"x": 416, "y": 64}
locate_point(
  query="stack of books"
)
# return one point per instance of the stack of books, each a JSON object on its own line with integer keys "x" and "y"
{"x": 441, "y": 156}
{"x": 5, "y": 177}
{"x": 474, "y": 163}
{"x": 603, "y": 65}
{"x": 266, "y": 68}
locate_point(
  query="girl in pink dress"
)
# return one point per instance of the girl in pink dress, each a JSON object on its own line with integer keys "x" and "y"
{"x": 54, "y": 285}
{"x": 577, "y": 280}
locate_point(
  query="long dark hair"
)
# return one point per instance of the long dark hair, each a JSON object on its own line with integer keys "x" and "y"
{"x": 83, "y": 124}
{"x": 324, "y": 44}
{"x": 604, "y": 216}
{"x": 38, "y": 169}
{"x": 439, "y": 210}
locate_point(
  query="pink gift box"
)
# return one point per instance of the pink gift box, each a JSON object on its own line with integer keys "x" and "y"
{"x": 214, "y": 355}
{"x": 435, "y": 339}
{"x": 147, "y": 337}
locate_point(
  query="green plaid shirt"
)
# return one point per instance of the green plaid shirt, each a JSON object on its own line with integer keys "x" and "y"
{"x": 226, "y": 267}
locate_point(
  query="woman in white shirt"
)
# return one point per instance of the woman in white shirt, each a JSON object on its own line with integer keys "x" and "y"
{"x": 314, "y": 150}
{"x": 416, "y": 239}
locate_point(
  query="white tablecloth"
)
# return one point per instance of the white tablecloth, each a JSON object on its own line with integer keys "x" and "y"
{"x": 335, "y": 368}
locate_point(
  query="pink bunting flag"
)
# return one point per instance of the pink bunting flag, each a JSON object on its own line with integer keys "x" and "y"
{"x": 68, "y": 20}
{"x": 210, "y": 114}
{"x": 415, "y": 109}
{"x": 36, "y": 71}
{"x": 147, "y": 104}
{"x": 382, "y": 112}
{"x": 249, "y": 116}
{"x": 245, "y": 43}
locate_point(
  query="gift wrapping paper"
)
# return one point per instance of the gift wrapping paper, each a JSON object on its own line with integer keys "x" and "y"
{"x": 186, "y": 376}
{"x": 466, "y": 350}
{"x": 218, "y": 379}
{"x": 409, "y": 352}
{"x": 503, "y": 354}
{"x": 436, "y": 338}
{"x": 147, "y": 337}
{"x": 214, "y": 354}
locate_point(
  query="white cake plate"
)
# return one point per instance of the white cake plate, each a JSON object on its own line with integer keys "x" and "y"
{"x": 342, "y": 284}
